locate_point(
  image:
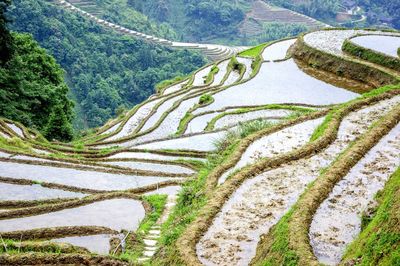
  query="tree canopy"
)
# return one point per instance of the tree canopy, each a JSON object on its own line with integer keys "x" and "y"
{"x": 33, "y": 91}
{"x": 104, "y": 70}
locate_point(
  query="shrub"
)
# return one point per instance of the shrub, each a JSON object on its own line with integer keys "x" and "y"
{"x": 205, "y": 99}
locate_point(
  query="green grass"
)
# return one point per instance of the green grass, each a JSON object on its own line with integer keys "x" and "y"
{"x": 15, "y": 144}
{"x": 134, "y": 249}
{"x": 281, "y": 254}
{"x": 165, "y": 83}
{"x": 379, "y": 241}
{"x": 183, "y": 123}
{"x": 12, "y": 247}
{"x": 371, "y": 55}
{"x": 320, "y": 130}
{"x": 236, "y": 66}
{"x": 210, "y": 77}
{"x": 253, "y": 52}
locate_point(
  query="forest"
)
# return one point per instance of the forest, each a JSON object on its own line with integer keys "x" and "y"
{"x": 105, "y": 71}
{"x": 32, "y": 87}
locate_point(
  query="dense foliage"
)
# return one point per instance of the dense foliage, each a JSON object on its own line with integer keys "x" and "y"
{"x": 197, "y": 20}
{"x": 276, "y": 31}
{"x": 33, "y": 91}
{"x": 319, "y": 9}
{"x": 382, "y": 8}
{"x": 105, "y": 71}
{"x": 5, "y": 36}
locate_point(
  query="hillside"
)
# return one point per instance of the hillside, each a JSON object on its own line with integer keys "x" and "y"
{"x": 106, "y": 72}
{"x": 270, "y": 157}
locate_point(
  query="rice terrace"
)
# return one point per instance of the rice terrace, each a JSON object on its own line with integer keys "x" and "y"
{"x": 280, "y": 153}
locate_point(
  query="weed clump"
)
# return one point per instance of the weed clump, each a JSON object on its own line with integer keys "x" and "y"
{"x": 205, "y": 99}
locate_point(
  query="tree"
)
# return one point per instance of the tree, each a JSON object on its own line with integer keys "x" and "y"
{"x": 5, "y": 36}
{"x": 32, "y": 86}
{"x": 58, "y": 126}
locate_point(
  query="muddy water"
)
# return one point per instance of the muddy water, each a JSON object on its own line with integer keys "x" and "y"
{"x": 99, "y": 244}
{"x": 281, "y": 82}
{"x": 234, "y": 119}
{"x": 202, "y": 142}
{"x": 33, "y": 192}
{"x": 261, "y": 201}
{"x": 277, "y": 143}
{"x": 155, "y": 167}
{"x": 76, "y": 178}
{"x": 384, "y": 44}
{"x": 277, "y": 51}
{"x": 337, "y": 221}
{"x": 116, "y": 214}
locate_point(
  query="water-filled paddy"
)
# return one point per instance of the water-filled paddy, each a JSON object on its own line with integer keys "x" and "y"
{"x": 150, "y": 156}
{"x": 280, "y": 82}
{"x": 384, "y": 44}
{"x": 77, "y": 178}
{"x": 16, "y": 129}
{"x": 33, "y": 192}
{"x": 202, "y": 142}
{"x": 234, "y": 119}
{"x": 155, "y": 167}
{"x": 99, "y": 244}
{"x": 199, "y": 123}
{"x": 277, "y": 51}
{"x": 116, "y": 214}
{"x": 135, "y": 120}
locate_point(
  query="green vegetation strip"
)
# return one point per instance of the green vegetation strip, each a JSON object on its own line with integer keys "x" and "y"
{"x": 288, "y": 242}
{"x": 371, "y": 55}
{"x": 379, "y": 241}
{"x": 37, "y": 258}
{"x": 57, "y": 232}
{"x": 14, "y": 247}
{"x": 211, "y": 124}
{"x": 343, "y": 67}
{"x": 254, "y": 52}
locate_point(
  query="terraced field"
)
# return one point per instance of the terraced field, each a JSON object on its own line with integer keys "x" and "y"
{"x": 262, "y": 12}
{"x": 244, "y": 162}
{"x": 90, "y": 10}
